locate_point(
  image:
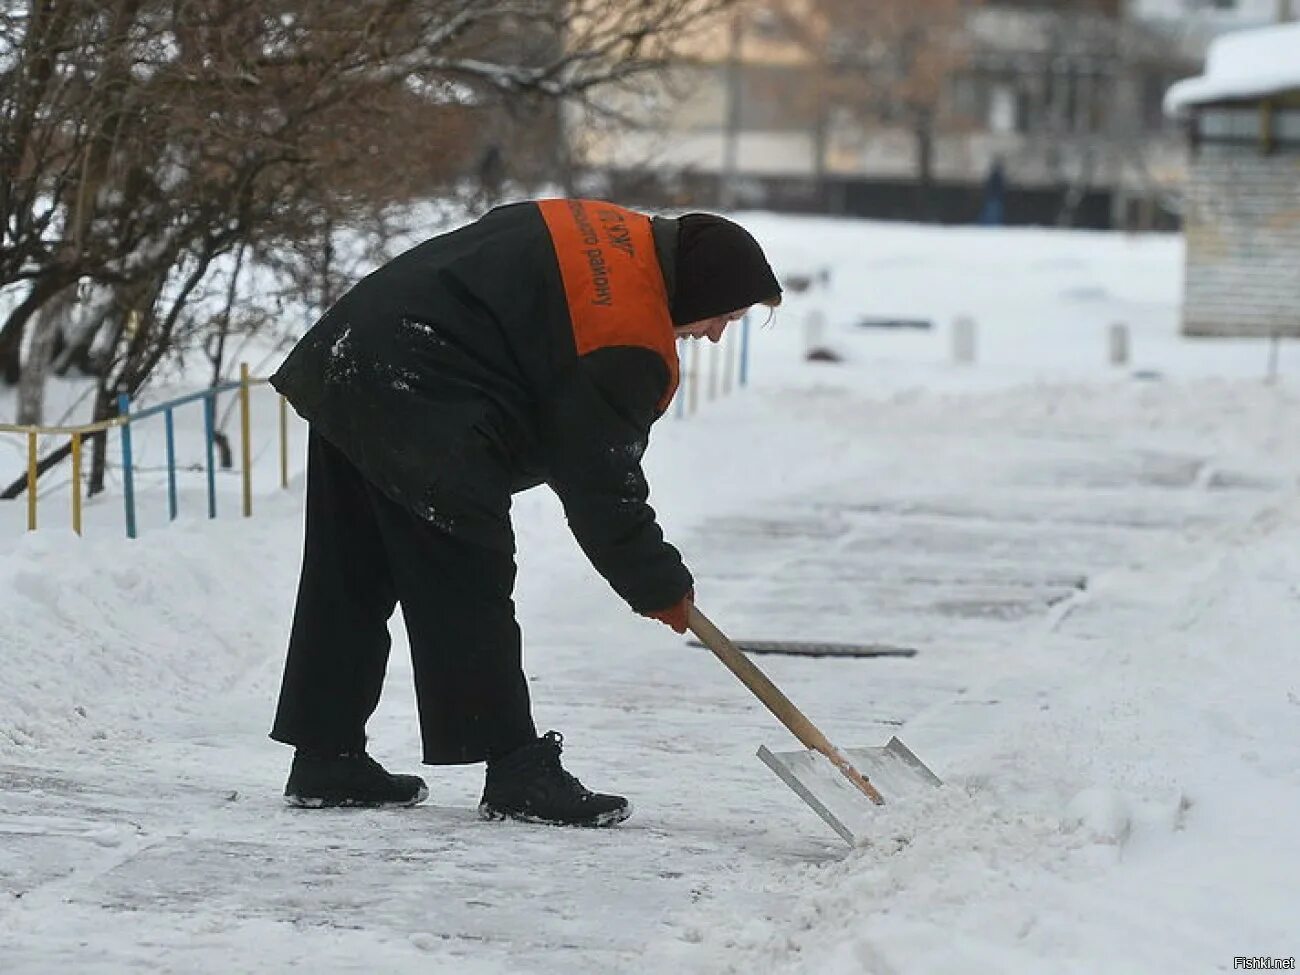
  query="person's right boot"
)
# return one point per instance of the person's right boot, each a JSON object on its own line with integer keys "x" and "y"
{"x": 319, "y": 780}
{"x": 529, "y": 784}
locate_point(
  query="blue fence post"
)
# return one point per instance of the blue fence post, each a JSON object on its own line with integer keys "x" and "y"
{"x": 744, "y": 349}
{"x": 209, "y": 430}
{"x": 171, "y": 463}
{"x": 128, "y": 476}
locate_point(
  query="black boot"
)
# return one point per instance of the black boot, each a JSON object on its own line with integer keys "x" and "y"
{"x": 529, "y": 784}
{"x": 349, "y": 779}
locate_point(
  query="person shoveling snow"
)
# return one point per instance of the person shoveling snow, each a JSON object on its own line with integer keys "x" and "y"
{"x": 535, "y": 345}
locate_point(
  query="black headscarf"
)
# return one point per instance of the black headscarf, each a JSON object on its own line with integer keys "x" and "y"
{"x": 720, "y": 268}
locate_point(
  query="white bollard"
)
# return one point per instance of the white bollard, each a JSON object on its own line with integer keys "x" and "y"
{"x": 714, "y": 353}
{"x": 963, "y": 340}
{"x": 1118, "y": 344}
{"x": 814, "y": 330}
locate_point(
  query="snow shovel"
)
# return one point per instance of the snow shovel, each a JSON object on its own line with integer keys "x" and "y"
{"x": 835, "y": 791}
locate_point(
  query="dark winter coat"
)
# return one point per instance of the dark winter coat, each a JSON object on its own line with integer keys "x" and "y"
{"x": 533, "y": 345}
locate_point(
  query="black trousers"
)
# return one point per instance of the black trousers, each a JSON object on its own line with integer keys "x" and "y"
{"x": 364, "y": 554}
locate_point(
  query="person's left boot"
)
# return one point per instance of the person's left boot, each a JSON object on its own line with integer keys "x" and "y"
{"x": 530, "y": 784}
{"x": 349, "y": 779}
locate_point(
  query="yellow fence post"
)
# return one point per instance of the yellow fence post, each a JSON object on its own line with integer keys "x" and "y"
{"x": 31, "y": 480}
{"x": 245, "y": 447}
{"x": 76, "y": 483}
{"x": 284, "y": 442}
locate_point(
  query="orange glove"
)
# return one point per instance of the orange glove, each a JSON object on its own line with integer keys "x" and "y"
{"x": 676, "y": 614}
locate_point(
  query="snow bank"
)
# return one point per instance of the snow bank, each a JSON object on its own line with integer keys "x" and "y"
{"x": 1243, "y": 64}
{"x": 101, "y": 635}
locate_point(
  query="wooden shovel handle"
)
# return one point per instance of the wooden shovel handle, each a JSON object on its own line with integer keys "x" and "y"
{"x": 775, "y": 700}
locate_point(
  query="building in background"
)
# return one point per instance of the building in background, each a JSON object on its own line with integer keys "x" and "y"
{"x": 1242, "y": 211}
{"x": 1056, "y": 101}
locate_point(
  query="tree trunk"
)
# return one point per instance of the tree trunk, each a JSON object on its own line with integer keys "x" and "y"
{"x": 146, "y": 341}
{"x": 104, "y": 408}
{"x": 11, "y": 336}
{"x": 820, "y": 138}
{"x": 215, "y": 346}
{"x": 923, "y": 130}
{"x": 73, "y": 348}
{"x": 48, "y": 462}
{"x": 45, "y": 328}
{"x": 730, "y": 174}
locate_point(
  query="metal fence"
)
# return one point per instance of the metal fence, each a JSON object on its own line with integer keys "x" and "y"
{"x": 126, "y": 420}
{"x": 712, "y": 370}
{"x": 707, "y": 371}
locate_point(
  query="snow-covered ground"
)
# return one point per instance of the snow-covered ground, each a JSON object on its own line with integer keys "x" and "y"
{"x": 1098, "y": 566}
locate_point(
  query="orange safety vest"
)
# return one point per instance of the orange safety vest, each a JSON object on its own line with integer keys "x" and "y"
{"x": 613, "y": 283}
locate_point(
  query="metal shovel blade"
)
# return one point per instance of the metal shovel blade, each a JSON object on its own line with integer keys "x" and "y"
{"x": 893, "y": 769}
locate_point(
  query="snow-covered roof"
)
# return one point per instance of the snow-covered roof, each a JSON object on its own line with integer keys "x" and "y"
{"x": 1243, "y": 64}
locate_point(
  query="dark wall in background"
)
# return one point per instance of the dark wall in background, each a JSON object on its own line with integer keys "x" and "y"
{"x": 945, "y": 202}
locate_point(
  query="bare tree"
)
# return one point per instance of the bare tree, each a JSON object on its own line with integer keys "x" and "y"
{"x": 883, "y": 63}
{"x": 143, "y": 141}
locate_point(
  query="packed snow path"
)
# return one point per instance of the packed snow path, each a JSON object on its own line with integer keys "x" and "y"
{"x": 973, "y": 530}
